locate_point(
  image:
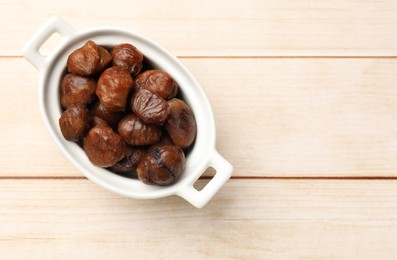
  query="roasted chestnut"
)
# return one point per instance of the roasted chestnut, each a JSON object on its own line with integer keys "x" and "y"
{"x": 97, "y": 121}
{"x": 158, "y": 82}
{"x": 113, "y": 88}
{"x": 112, "y": 118}
{"x": 164, "y": 140}
{"x": 135, "y": 132}
{"x": 104, "y": 59}
{"x": 77, "y": 89}
{"x": 180, "y": 124}
{"x": 128, "y": 56}
{"x": 103, "y": 147}
{"x": 85, "y": 60}
{"x": 162, "y": 166}
{"x": 74, "y": 122}
{"x": 127, "y": 166}
{"x": 150, "y": 107}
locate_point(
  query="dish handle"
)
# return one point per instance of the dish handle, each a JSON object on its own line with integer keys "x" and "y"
{"x": 54, "y": 25}
{"x": 200, "y": 198}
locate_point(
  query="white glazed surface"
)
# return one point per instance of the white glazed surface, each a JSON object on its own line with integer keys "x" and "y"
{"x": 203, "y": 154}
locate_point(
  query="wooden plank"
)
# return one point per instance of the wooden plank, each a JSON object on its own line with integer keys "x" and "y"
{"x": 275, "y": 117}
{"x": 191, "y": 28}
{"x": 253, "y": 219}
{"x": 28, "y": 149}
{"x": 304, "y": 117}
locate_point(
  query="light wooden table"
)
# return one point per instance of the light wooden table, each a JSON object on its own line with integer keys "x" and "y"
{"x": 305, "y": 100}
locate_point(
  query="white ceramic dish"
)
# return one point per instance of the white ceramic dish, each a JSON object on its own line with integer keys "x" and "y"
{"x": 203, "y": 154}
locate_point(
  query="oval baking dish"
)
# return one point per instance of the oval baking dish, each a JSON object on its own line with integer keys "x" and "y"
{"x": 203, "y": 153}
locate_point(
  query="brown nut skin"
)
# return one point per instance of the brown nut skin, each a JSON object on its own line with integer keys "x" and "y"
{"x": 97, "y": 121}
{"x": 112, "y": 118}
{"x": 74, "y": 122}
{"x": 150, "y": 107}
{"x": 164, "y": 140}
{"x": 127, "y": 166}
{"x": 158, "y": 82}
{"x": 128, "y": 56}
{"x": 103, "y": 147}
{"x": 113, "y": 88}
{"x": 135, "y": 132}
{"x": 181, "y": 125}
{"x": 77, "y": 89}
{"x": 85, "y": 60}
{"x": 104, "y": 59}
{"x": 163, "y": 166}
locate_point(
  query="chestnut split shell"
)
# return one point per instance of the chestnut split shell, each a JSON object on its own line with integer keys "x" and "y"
{"x": 162, "y": 166}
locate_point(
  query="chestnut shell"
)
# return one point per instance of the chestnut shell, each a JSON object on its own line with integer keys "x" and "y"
{"x": 163, "y": 166}
{"x": 103, "y": 147}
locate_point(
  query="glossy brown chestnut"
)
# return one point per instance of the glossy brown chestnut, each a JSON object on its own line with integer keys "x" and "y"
{"x": 97, "y": 121}
{"x": 128, "y": 56}
{"x": 77, "y": 89}
{"x": 127, "y": 166}
{"x": 181, "y": 125}
{"x": 104, "y": 59}
{"x": 164, "y": 140}
{"x": 103, "y": 147}
{"x": 150, "y": 107}
{"x": 85, "y": 60}
{"x": 163, "y": 166}
{"x": 74, "y": 122}
{"x": 113, "y": 88}
{"x": 135, "y": 132}
{"x": 158, "y": 82}
{"x": 112, "y": 118}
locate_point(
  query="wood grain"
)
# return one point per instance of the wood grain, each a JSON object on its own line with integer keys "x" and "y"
{"x": 304, "y": 96}
{"x": 247, "y": 219}
{"x": 275, "y": 117}
{"x": 304, "y": 117}
{"x": 225, "y": 28}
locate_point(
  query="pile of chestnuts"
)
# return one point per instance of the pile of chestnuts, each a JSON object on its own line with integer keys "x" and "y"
{"x": 125, "y": 115}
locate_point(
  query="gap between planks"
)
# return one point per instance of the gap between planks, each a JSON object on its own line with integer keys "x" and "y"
{"x": 210, "y": 177}
{"x": 265, "y": 57}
